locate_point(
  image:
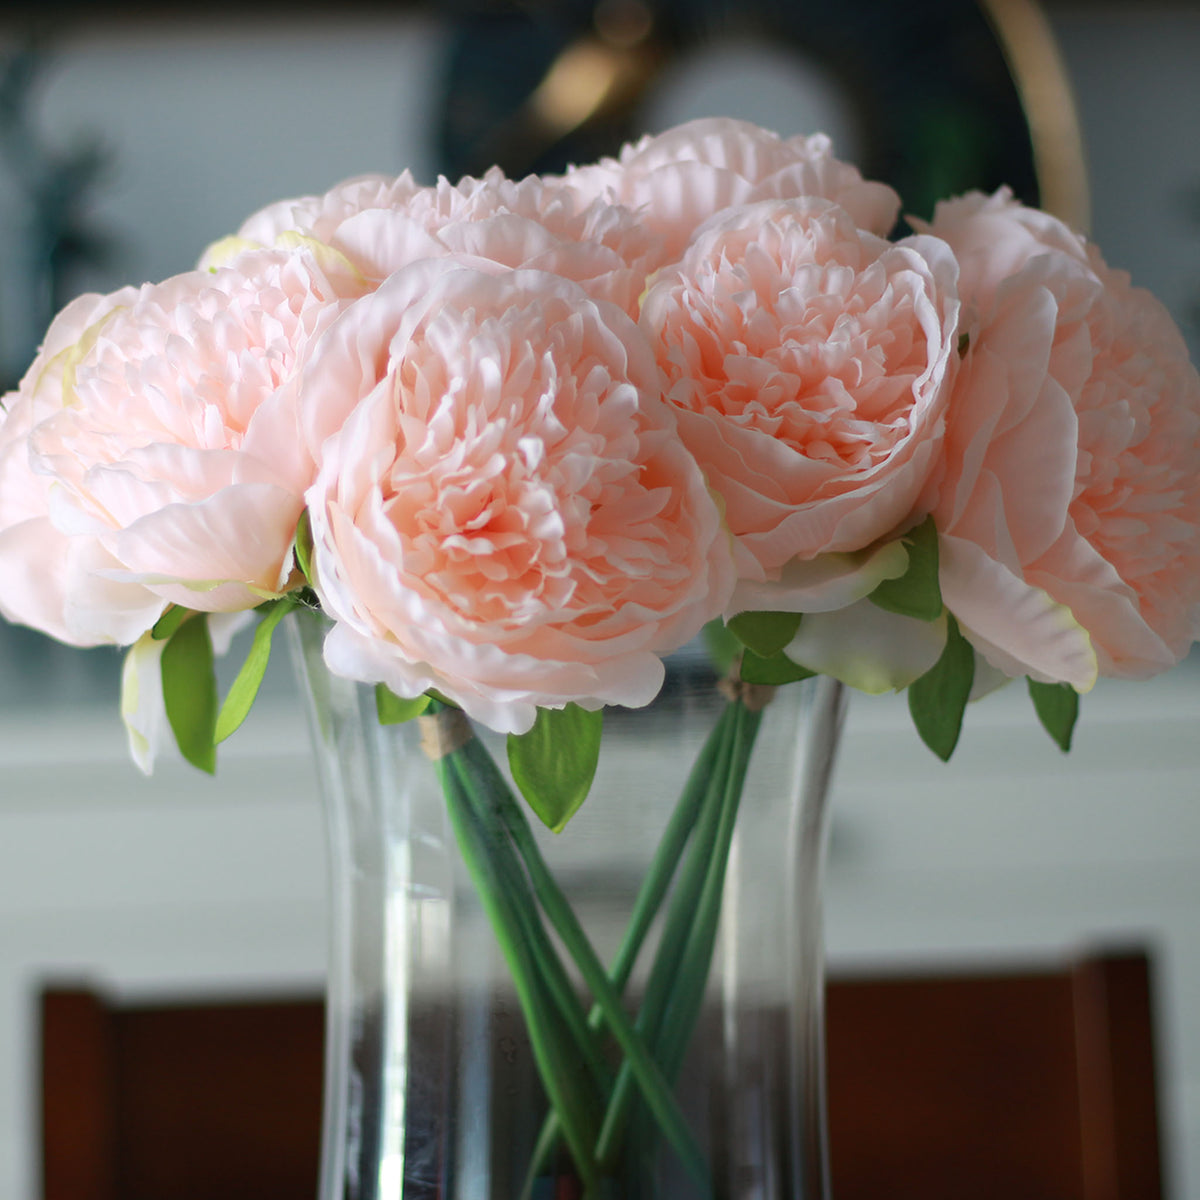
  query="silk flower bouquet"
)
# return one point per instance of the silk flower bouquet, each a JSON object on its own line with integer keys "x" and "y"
{"x": 518, "y": 441}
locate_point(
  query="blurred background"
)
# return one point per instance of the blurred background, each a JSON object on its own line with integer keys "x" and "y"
{"x": 132, "y": 137}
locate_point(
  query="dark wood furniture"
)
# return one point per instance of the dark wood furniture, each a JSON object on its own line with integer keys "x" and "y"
{"x": 1030, "y": 1085}
{"x": 217, "y": 1101}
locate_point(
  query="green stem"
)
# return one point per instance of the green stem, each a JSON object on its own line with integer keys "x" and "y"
{"x": 551, "y": 1049}
{"x": 655, "y": 1089}
{"x": 646, "y": 907}
{"x": 687, "y": 996}
{"x": 516, "y": 885}
{"x": 666, "y": 859}
{"x": 667, "y": 961}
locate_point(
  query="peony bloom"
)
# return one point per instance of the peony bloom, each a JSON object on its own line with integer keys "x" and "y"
{"x": 995, "y": 236}
{"x": 165, "y": 445}
{"x": 507, "y": 514}
{"x": 374, "y": 227}
{"x": 678, "y": 179}
{"x": 319, "y": 217}
{"x": 36, "y": 559}
{"x": 1070, "y": 508}
{"x": 808, "y": 363}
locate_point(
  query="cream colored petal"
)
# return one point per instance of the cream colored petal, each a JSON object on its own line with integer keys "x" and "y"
{"x": 824, "y": 584}
{"x": 867, "y": 647}
{"x": 142, "y": 707}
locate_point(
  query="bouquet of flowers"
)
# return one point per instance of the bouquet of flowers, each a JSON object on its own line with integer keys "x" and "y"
{"x": 520, "y": 440}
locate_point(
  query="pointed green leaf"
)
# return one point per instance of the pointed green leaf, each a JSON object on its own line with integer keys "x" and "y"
{"x": 170, "y": 621}
{"x": 1057, "y": 707}
{"x": 553, "y": 764}
{"x": 304, "y": 546}
{"x": 776, "y": 670}
{"x": 765, "y": 633}
{"x": 721, "y": 645}
{"x": 916, "y": 593}
{"x": 395, "y": 710}
{"x": 190, "y": 692}
{"x": 244, "y": 688}
{"x": 938, "y": 699}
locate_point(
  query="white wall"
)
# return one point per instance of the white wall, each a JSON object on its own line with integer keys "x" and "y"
{"x": 206, "y": 125}
{"x": 184, "y": 884}
{"x": 1134, "y": 69}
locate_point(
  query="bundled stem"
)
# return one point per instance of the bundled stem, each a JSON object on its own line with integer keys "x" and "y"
{"x": 654, "y": 886}
{"x": 675, "y": 989}
{"x": 519, "y": 892}
{"x": 548, "y": 1036}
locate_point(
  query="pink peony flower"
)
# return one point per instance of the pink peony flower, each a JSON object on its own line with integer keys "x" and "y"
{"x": 1070, "y": 507}
{"x": 375, "y": 227}
{"x": 507, "y": 515}
{"x": 36, "y": 559}
{"x": 678, "y": 179}
{"x": 995, "y": 236}
{"x": 318, "y": 217}
{"x": 165, "y": 445}
{"x": 808, "y": 363}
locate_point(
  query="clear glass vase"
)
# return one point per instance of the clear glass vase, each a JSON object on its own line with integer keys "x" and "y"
{"x": 434, "y": 1084}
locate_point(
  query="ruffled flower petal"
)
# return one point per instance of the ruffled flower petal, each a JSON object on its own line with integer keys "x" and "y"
{"x": 506, "y": 512}
{"x": 1072, "y": 455}
{"x": 162, "y": 445}
{"x": 1018, "y": 628}
{"x": 809, "y": 363}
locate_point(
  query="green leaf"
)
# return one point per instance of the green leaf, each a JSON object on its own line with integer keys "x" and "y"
{"x": 170, "y": 621}
{"x": 765, "y": 633}
{"x": 304, "y": 545}
{"x": 554, "y": 763}
{"x": 395, "y": 710}
{"x": 190, "y": 692}
{"x": 1057, "y": 707}
{"x": 721, "y": 645}
{"x": 776, "y": 670}
{"x": 938, "y": 699}
{"x": 244, "y": 688}
{"x": 916, "y": 593}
